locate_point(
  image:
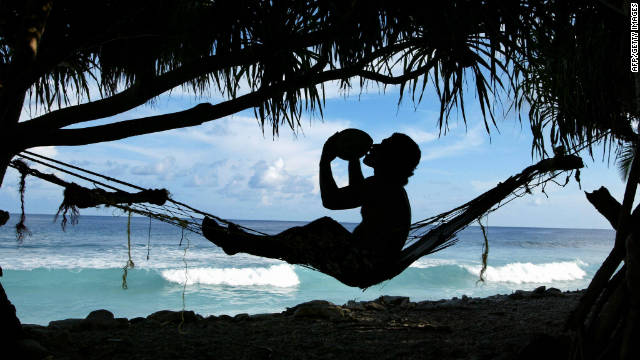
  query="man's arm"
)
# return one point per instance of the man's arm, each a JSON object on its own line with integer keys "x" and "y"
{"x": 355, "y": 173}
{"x": 335, "y": 198}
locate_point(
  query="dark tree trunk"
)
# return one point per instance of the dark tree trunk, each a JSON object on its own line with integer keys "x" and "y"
{"x": 605, "y": 322}
{"x": 10, "y": 327}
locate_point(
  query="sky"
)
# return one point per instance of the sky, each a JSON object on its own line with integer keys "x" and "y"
{"x": 230, "y": 168}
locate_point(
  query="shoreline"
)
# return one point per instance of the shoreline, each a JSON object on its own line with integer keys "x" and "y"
{"x": 511, "y": 326}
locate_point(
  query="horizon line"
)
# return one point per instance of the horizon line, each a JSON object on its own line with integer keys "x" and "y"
{"x": 343, "y": 222}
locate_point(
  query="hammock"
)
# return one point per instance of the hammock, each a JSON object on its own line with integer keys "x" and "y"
{"x": 426, "y": 236}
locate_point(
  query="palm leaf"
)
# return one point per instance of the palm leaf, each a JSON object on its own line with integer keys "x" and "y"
{"x": 624, "y": 158}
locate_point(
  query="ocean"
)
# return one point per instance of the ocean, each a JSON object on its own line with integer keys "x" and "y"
{"x": 56, "y": 274}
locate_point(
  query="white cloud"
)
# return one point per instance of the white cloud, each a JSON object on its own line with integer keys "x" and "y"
{"x": 275, "y": 177}
{"x": 482, "y": 186}
{"x": 418, "y": 135}
{"x": 268, "y": 176}
{"x": 165, "y": 168}
{"x": 239, "y": 138}
{"x": 470, "y": 141}
{"x": 48, "y": 151}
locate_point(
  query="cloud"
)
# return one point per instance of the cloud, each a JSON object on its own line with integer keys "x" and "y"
{"x": 275, "y": 177}
{"x": 482, "y": 186}
{"x": 239, "y": 138}
{"x": 163, "y": 168}
{"x": 418, "y": 135}
{"x": 268, "y": 176}
{"x": 48, "y": 151}
{"x": 468, "y": 142}
{"x": 203, "y": 174}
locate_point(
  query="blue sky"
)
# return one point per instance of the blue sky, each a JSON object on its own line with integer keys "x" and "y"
{"x": 230, "y": 168}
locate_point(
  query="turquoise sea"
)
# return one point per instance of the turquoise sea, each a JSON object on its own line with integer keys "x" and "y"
{"x": 56, "y": 274}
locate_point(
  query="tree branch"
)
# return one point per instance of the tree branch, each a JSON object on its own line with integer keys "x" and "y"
{"x": 195, "y": 116}
{"x": 610, "y": 208}
{"x": 35, "y": 136}
{"x": 142, "y": 92}
{"x": 396, "y": 80}
{"x": 606, "y": 205}
{"x": 138, "y": 94}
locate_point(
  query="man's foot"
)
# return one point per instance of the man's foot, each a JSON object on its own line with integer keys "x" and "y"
{"x": 222, "y": 237}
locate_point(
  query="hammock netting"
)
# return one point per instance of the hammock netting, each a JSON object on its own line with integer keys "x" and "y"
{"x": 426, "y": 236}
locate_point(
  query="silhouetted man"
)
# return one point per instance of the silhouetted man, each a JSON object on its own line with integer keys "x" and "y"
{"x": 325, "y": 244}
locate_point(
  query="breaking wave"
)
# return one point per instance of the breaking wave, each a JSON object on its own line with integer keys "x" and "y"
{"x": 276, "y": 275}
{"x": 519, "y": 273}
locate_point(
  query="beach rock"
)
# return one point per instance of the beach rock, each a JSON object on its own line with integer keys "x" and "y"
{"x": 453, "y": 303}
{"x": 211, "y": 318}
{"x": 67, "y": 324}
{"x": 31, "y": 349}
{"x": 425, "y": 305}
{"x": 553, "y": 292}
{"x": 393, "y": 300}
{"x": 543, "y": 346}
{"x": 538, "y": 292}
{"x": 242, "y": 316}
{"x": 518, "y": 294}
{"x": 265, "y": 316}
{"x": 319, "y": 309}
{"x": 168, "y": 316}
{"x": 36, "y": 331}
{"x": 540, "y": 289}
{"x": 372, "y": 305}
{"x": 102, "y": 320}
{"x": 354, "y": 305}
{"x": 100, "y": 315}
{"x": 137, "y": 320}
{"x": 99, "y": 319}
{"x": 61, "y": 337}
{"x": 120, "y": 341}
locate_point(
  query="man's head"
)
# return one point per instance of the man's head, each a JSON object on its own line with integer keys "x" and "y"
{"x": 394, "y": 158}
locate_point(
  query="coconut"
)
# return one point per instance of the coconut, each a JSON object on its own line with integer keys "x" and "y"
{"x": 352, "y": 144}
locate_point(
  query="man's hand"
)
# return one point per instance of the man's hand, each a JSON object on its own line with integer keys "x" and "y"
{"x": 330, "y": 148}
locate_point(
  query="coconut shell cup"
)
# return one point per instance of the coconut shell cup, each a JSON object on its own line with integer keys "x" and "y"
{"x": 352, "y": 144}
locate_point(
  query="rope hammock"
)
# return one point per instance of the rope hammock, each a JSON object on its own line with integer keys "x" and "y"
{"x": 426, "y": 236}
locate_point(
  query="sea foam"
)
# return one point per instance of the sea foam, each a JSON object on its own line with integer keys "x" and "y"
{"x": 425, "y": 263}
{"x": 519, "y": 273}
{"x": 276, "y": 275}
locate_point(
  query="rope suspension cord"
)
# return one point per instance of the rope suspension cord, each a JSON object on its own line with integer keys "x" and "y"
{"x": 79, "y": 169}
{"x": 109, "y": 179}
{"x": 173, "y": 212}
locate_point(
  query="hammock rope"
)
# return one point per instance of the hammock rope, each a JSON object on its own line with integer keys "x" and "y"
{"x": 426, "y": 236}
{"x": 171, "y": 211}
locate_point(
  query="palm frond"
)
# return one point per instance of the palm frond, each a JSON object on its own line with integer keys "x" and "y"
{"x": 624, "y": 158}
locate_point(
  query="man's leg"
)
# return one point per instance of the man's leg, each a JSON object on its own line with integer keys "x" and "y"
{"x": 313, "y": 242}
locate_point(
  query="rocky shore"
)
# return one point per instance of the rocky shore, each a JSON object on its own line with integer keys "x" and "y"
{"x": 521, "y": 325}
